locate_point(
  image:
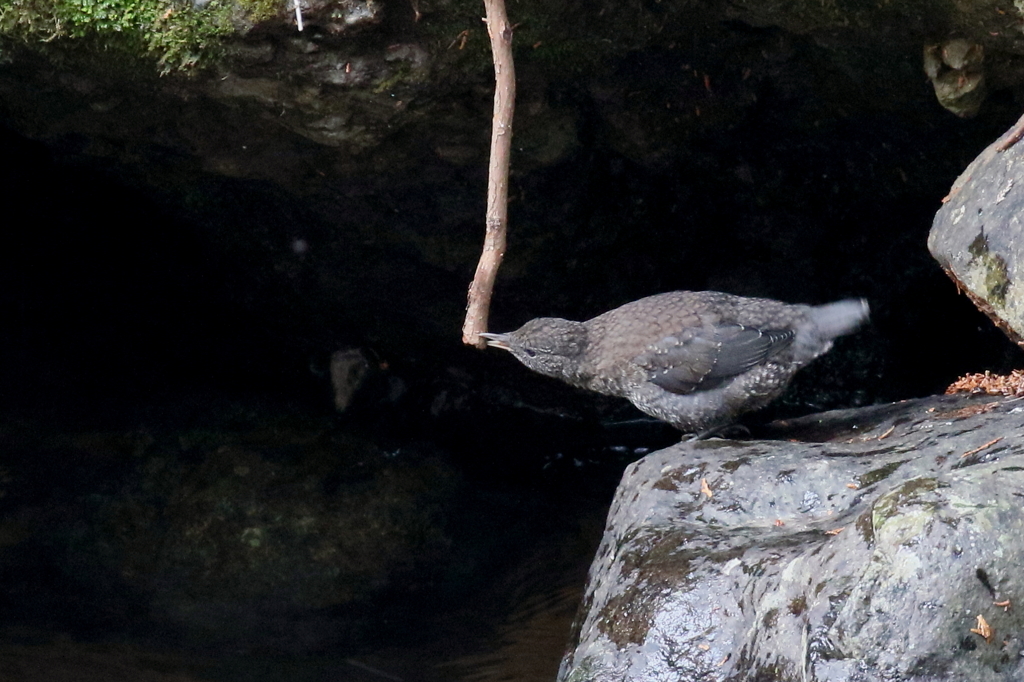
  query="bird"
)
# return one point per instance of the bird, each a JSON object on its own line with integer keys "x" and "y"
{"x": 694, "y": 359}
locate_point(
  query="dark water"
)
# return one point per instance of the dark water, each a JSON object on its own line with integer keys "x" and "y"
{"x": 516, "y": 629}
{"x": 526, "y": 532}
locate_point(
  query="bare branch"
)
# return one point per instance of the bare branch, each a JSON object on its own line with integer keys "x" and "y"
{"x": 478, "y": 309}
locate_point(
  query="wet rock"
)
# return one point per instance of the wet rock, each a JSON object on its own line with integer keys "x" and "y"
{"x": 545, "y": 135}
{"x": 411, "y": 53}
{"x": 872, "y": 550}
{"x": 301, "y": 46}
{"x": 263, "y": 90}
{"x": 348, "y": 369}
{"x": 345, "y": 70}
{"x": 955, "y": 69}
{"x": 977, "y": 235}
{"x": 250, "y": 54}
{"x": 346, "y": 15}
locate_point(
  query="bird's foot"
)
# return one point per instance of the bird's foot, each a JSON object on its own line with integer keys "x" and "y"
{"x": 726, "y": 431}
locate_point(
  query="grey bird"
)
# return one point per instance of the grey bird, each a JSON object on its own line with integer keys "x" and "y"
{"x": 695, "y": 359}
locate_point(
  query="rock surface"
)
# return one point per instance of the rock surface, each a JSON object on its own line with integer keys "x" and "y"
{"x": 978, "y": 234}
{"x": 870, "y": 551}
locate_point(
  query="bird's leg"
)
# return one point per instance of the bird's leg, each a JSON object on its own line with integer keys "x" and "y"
{"x": 727, "y": 431}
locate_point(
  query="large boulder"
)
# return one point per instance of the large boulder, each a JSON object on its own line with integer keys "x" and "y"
{"x": 885, "y": 546}
{"x": 978, "y": 235}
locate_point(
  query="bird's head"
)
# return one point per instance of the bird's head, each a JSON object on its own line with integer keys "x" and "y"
{"x": 548, "y": 345}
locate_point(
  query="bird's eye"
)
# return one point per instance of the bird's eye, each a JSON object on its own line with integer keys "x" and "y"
{"x": 529, "y": 352}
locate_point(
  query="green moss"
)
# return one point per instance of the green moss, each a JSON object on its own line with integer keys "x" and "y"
{"x": 260, "y": 10}
{"x": 175, "y": 35}
{"x": 880, "y": 474}
{"x": 990, "y": 272}
{"x": 403, "y": 73}
{"x": 895, "y": 502}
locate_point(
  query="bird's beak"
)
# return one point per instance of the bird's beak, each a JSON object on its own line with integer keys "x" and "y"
{"x": 496, "y": 340}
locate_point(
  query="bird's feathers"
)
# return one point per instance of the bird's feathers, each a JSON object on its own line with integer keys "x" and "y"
{"x": 693, "y": 359}
{"x": 702, "y": 359}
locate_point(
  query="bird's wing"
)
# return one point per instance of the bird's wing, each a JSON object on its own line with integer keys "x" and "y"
{"x": 704, "y": 358}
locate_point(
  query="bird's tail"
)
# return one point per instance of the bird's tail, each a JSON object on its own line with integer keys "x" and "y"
{"x": 839, "y": 318}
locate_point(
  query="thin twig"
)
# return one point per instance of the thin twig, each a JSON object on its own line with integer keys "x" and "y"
{"x": 981, "y": 447}
{"x": 1014, "y": 136}
{"x": 480, "y": 290}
